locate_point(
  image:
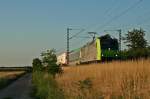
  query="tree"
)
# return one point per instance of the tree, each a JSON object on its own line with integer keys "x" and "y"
{"x": 37, "y": 64}
{"x": 49, "y": 60}
{"x": 135, "y": 39}
{"x": 137, "y": 44}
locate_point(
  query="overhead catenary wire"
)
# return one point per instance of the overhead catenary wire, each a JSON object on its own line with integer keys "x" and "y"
{"x": 78, "y": 43}
{"x": 75, "y": 35}
{"x": 60, "y": 50}
{"x": 120, "y": 14}
{"x": 111, "y": 20}
{"x": 113, "y": 7}
{"x": 85, "y": 30}
{"x": 109, "y": 9}
{"x": 114, "y": 18}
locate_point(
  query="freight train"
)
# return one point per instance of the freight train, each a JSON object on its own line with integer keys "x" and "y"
{"x": 104, "y": 48}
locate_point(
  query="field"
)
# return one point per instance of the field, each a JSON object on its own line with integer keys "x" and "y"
{"x": 116, "y": 80}
{"x": 9, "y": 74}
{"x": 7, "y": 77}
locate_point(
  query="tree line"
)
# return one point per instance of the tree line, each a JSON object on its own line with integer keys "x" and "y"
{"x": 137, "y": 45}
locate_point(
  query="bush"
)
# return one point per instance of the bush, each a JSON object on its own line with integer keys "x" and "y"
{"x": 45, "y": 87}
{"x": 136, "y": 53}
{"x": 54, "y": 69}
{"x": 49, "y": 60}
{"x": 37, "y": 64}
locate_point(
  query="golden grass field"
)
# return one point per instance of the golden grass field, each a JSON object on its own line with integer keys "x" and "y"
{"x": 9, "y": 74}
{"x": 115, "y": 80}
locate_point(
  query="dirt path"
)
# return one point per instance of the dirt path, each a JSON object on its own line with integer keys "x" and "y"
{"x": 20, "y": 89}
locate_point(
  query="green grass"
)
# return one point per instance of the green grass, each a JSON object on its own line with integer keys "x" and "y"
{"x": 45, "y": 87}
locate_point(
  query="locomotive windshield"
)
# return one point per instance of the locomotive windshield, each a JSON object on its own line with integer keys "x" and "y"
{"x": 108, "y": 43}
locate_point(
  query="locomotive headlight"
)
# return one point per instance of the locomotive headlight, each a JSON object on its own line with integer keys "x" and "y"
{"x": 116, "y": 55}
{"x": 102, "y": 55}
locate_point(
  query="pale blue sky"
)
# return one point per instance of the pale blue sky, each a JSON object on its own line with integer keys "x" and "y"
{"x": 28, "y": 27}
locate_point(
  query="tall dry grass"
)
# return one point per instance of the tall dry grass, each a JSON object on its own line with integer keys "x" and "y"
{"x": 4, "y": 74}
{"x": 116, "y": 80}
